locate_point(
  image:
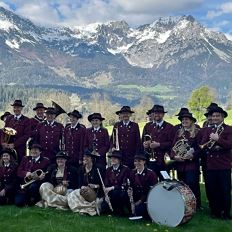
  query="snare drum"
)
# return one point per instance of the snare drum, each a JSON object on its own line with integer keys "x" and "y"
{"x": 171, "y": 203}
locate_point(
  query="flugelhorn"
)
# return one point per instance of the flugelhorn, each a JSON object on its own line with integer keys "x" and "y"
{"x": 34, "y": 177}
{"x": 209, "y": 144}
{"x": 149, "y": 151}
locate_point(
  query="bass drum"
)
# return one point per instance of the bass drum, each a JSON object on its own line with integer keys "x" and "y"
{"x": 171, "y": 203}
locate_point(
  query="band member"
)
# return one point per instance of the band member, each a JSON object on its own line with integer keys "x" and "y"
{"x": 74, "y": 138}
{"x": 97, "y": 138}
{"x": 182, "y": 111}
{"x": 208, "y": 115}
{"x": 115, "y": 182}
{"x": 142, "y": 179}
{"x": 8, "y": 177}
{"x": 4, "y": 116}
{"x": 27, "y": 171}
{"x": 21, "y": 124}
{"x": 49, "y": 134}
{"x": 185, "y": 152}
{"x": 148, "y": 126}
{"x": 61, "y": 180}
{"x": 217, "y": 143}
{"x": 39, "y": 115}
{"x": 203, "y": 156}
{"x": 128, "y": 136}
{"x": 83, "y": 199}
{"x": 162, "y": 135}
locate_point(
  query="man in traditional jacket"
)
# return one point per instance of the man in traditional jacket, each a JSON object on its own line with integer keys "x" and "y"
{"x": 49, "y": 134}
{"x": 128, "y": 136}
{"x": 162, "y": 135}
{"x": 21, "y": 124}
{"x": 74, "y": 138}
{"x": 216, "y": 141}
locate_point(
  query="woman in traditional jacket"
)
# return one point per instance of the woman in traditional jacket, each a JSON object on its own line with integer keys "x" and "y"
{"x": 84, "y": 199}
{"x": 8, "y": 177}
{"x": 61, "y": 180}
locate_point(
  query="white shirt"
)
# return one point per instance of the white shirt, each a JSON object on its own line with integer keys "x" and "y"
{"x": 17, "y": 116}
{"x": 159, "y": 123}
{"x": 50, "y": 123}
{"x": 36, "y": 159}
{"x": 97, "y": 128}
{"x": 115, "y": 167}
{"x": 140, "y": 172}
{"x": 126, "y": 123}
{"x": 73, "y": 127}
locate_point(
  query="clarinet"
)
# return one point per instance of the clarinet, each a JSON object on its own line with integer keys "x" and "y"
{"x": 131, "y": 198}
{"x": 106, "y": 195}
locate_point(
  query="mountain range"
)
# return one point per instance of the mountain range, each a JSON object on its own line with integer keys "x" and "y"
{"x": 165, "y": 60}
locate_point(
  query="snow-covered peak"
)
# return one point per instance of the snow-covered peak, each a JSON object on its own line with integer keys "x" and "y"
{"x": 6, "y": 25}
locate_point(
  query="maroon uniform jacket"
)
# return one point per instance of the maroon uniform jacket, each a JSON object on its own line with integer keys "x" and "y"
{"x": 8, "y": 178}
{"x": 164, "y": 136}
{"x": 142, "y": 183}
{"x": 187, "y": 164}
{"x": 49, "y": 137}
{"x": 27, "y": 165}
{"x": 219, "y": 156}
{"x": 23, "y": 128}
{"x": 74, "y": 140}
{"x": 147, "y": 129}
{"x": 34, "y": 122}
{"x": 100, "y": 140}
{"x": 129, "y": 142}
{"x": 117, "y": 178}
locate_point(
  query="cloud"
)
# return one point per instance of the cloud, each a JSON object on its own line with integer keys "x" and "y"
{"x": 225, "y": 8}
{"x": 81, "y": 12}
{"x": 6, "y": 6}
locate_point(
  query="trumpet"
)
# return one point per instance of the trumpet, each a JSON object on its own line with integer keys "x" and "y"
{"x": 149, "y": 151}
{"x": 34, "y": 177}
{"x": 209, "y": 144}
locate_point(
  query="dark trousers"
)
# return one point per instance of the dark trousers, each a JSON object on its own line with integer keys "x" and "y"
{"x": 119, "y": 201}
{"x": 219, "y": 192}
{"x": 7, "y": 199}
{"x": 141, "y": 210}
{"x": 191, "y": 178}
{"x": 157, "y": 168}
{"x": 29, "y": 196}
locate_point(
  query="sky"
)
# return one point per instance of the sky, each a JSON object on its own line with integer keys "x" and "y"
{"x": 214, "y": 14}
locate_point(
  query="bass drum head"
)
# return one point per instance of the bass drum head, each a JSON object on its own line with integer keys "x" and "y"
{"x": 165, "y": 207}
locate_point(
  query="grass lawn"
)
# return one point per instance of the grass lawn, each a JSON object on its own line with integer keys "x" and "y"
{"x": 50, "y": 220}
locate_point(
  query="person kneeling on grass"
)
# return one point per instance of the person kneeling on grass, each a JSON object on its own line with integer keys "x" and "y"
{"x": 84, "y": 199}
{"x": 142, "y": 179}
{"x": 115, "y": 186}
{"x": 61, "y": 180}
{"x": 8, "y": 177}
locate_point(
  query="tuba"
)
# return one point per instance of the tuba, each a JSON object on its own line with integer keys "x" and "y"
{"x": 8, "y": 133}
